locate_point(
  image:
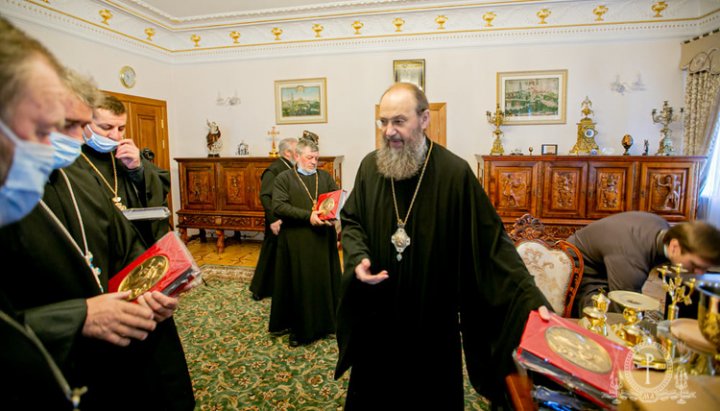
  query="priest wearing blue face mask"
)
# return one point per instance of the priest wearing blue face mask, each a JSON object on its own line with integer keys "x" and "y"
{"x": 125, "y": 177}
{"x": 85, "y": 240}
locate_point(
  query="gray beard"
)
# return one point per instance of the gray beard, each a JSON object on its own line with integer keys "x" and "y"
{"x": 403, "y": 163}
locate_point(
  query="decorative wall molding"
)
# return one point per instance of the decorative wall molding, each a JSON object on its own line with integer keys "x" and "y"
{"x": 512, "y": 23}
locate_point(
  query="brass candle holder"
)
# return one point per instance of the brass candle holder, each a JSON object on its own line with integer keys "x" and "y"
{"x": 677, "y": 289}
{"x": 665, "y": 117}
{"x": 274, "y": 151}
{"x": 497, "y": 119}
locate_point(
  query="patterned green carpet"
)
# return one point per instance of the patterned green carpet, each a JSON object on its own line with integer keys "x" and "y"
{"x": 235, "y": 364}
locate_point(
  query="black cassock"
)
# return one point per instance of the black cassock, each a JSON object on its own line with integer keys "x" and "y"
{"x": 262, "y": 282}
{"x": 52, "y": 281}
{"x": 145, "y": 187}
{"x": 307, "y": 269}
{"x": 460, "y": 275}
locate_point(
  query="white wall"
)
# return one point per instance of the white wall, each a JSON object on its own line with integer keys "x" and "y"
{"x": 464, "y": 78}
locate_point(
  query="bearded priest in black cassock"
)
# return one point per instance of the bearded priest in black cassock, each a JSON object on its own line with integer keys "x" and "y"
{"x": 307, "y": 269}
{"x": 262, "y": 281}
{"x": 428, "y": 269}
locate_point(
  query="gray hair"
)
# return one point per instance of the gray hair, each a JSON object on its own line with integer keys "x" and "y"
{"x": 421, "y": 101}
{"x": 83, "y": 87}
{"x": 306, "y": 142}
{"x": 286, "y": 143}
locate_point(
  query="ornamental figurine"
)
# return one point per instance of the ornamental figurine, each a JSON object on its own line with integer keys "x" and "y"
{"x": 586, "y": 131}
{"x": 214, "y": 144}
{"x": 497, "y": 119}
{"x": 665, "y": 117}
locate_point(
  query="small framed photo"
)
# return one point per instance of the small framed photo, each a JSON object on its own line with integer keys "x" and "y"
{"x": 410, "y": 71}
{"x": 533, "y": 97}
{"x": 548, "y": 149}
{"x": 301, "y": 101}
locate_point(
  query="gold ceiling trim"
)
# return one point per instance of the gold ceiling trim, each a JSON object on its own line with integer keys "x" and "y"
{"x": 426, "y": 33}
{"x": 322, "y": 16}
{"x": 100, "y": 26}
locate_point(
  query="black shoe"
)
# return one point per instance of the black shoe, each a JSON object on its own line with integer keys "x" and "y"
{"x": 293, "y": 341}
{"x": 279, "y": 333}
{"x": 256, "y": 297}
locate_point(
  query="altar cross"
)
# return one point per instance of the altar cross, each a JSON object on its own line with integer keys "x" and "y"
{"x": 274, "y": 133}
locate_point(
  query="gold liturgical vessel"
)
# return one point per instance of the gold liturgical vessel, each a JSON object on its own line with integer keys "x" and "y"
{"x": 497, "y": 119}
{"x": 677, "y": 289}
{"x": 596, "y": 316}
{"x": 586, "y": 131}
{"x": 273, "y": 151}
{"x": 634, "y": 305}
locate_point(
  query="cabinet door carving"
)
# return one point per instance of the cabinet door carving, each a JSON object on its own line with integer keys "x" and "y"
{"x": 564, "y": 188}
{"x": 611, "y": 188}
{"x": 511, "y": 189}
{"x": 235, "y": 180}
{"x": 197, "y": 186}
{"x": 669, "y": 189}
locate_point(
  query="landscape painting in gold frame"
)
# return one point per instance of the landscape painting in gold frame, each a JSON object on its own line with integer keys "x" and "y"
{"x": 533, "y": 97}
{"x": 301, "y": 101}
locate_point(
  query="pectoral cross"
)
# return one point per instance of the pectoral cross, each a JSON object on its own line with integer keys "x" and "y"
{"x": 274, "y": 133}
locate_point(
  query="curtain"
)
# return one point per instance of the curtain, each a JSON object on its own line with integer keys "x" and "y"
{"x": 709, "y": 207}
{"x": 701, "y": 103}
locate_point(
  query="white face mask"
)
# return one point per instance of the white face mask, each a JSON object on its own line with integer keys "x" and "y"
{"x": 25, "y": 183}
{"x": 100, "y": 143}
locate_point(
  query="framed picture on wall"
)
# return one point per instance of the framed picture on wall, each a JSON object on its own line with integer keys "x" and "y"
{"x": 533, "y": 97}
{"x": 301, "y": 101}
{"x": 410, "y": 71}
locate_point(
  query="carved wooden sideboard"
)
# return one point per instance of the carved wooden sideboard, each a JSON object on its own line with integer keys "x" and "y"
{"x": 569, "y": 192}
{"x": 222, "y": 193}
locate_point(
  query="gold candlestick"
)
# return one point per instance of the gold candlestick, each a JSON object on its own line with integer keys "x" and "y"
{"x": 497, "y": 119}
{"x": 677, "y": 289}
{"x": 273, "y": 152}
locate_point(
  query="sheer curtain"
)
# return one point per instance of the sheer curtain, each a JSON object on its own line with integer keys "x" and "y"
{"x": 710, "y": 191}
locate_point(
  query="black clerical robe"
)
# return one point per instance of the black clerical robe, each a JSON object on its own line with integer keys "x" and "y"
{"x": 54, "y": 282}
{"x": 27, "y": 370}
{"x": 147, "y": 186}
{"x": 307, "y": 270}
{"x": 262, "y": 282}
{"x": 460, "y": 276}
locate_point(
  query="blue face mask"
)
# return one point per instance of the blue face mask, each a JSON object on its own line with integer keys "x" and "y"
{"x": 99, "y": 143}
{"x": 25, "y": 182}
{"x": 67, "y": 149}
{"x": 306, "y": 172}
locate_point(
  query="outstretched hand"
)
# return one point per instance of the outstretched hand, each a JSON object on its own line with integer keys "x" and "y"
{"x": 362, "y": 272}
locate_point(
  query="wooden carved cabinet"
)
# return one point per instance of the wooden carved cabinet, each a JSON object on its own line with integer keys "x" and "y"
{"x": 224, "y": 193}
{"x": 568, "y": 192}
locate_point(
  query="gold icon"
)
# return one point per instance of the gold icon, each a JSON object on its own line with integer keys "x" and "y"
{"x": 327, "y": 206}
{"x": 578, "y": 349}
{"x": 144, "y": 276}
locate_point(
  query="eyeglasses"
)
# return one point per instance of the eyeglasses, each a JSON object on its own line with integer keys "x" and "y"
{"x": 397, "y": 122}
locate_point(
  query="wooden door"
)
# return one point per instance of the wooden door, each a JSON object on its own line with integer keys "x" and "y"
{"x": 509, "y": 185}
{"x": 435, "y": 132}
{"x": 667, "y": 189}
{"x": 611, "y": 186}
{"x": 564, "y": 189}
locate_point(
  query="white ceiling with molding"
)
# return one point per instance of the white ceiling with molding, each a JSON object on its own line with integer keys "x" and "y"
{"x": 213, "y": 30}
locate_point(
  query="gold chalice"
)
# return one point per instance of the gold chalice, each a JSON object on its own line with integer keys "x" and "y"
{"x": 709, "y": 313}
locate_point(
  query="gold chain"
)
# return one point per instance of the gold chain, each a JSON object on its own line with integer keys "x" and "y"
{"x": 115, "y": 199}
{"x": 314, "y": 201}
{"x": 401, "y": 223}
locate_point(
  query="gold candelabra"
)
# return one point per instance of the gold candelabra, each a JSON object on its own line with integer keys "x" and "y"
{"x": 497, "y": 119}
{"x": 665, "y": 117}
{"x": 677, "y": 289}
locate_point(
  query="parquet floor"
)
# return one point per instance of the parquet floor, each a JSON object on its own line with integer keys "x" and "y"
{"x": 242, "y": 252}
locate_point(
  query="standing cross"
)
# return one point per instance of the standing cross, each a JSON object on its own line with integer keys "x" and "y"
{"x": 274, "y": 133}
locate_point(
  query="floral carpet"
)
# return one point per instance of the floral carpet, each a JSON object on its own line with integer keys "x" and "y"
{"x": 235, "y": 364}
